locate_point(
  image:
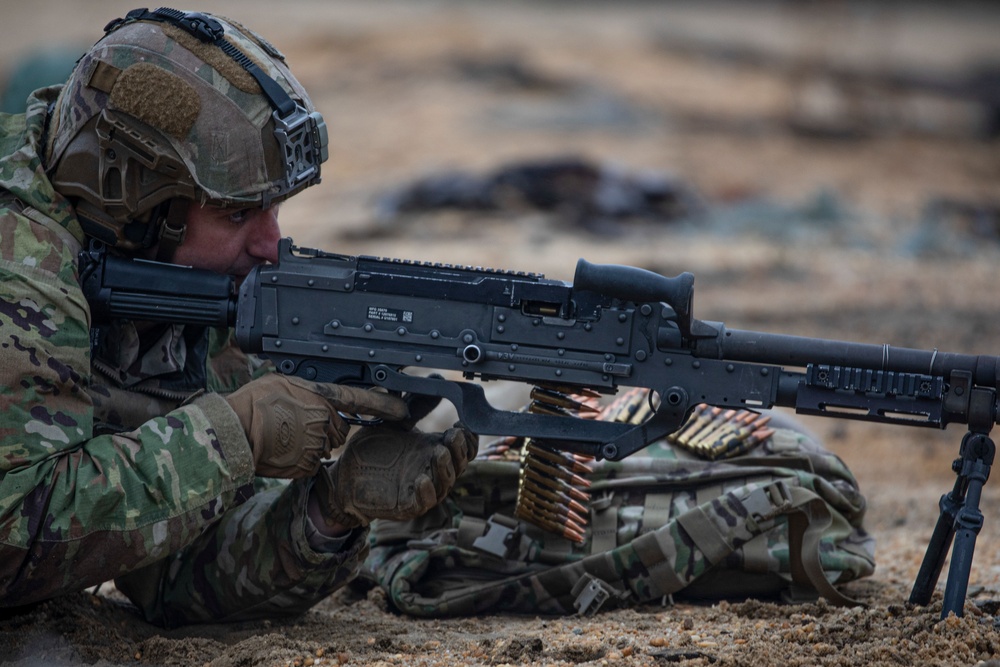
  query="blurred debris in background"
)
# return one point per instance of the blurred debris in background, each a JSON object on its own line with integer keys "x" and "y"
{"x": 980, "y": 219}
{"x": 535, "y": 98}
{"x": 507, "y": 71}
{"x": 961, "y": 103}
{"x": 609, "y": 200}
{"x": 952, "y": 227}
{"x": 822, "y": 212}
{"x": 588, "y": 196}
{"x": 836, "y": 100}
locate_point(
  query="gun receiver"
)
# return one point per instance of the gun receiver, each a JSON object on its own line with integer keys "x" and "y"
{"x": 364, "y": 320}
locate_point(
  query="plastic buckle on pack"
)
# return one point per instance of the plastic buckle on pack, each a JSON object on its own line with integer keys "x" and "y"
{"x": 765, "y": 503}
{"x": 499, "y": 538}
{"x": 602, "y": 503}
{"x": 591, "y": 593}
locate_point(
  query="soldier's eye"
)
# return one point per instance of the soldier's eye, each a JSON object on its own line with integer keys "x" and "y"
{"x": 240, "y": 216}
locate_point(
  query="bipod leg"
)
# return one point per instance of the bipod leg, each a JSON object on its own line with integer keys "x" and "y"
{"x": 940, "y": 544}
{"x": 969, "y": 521}
{"x": 960, "y": 521}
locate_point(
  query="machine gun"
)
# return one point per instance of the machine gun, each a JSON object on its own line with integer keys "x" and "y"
{"x": 365, "y": 320}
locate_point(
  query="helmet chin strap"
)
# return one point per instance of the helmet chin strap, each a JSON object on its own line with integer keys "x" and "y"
{"x": 173, "y": 229}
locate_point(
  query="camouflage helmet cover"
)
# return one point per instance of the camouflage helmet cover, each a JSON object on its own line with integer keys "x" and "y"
{"x": 185, "y": 105}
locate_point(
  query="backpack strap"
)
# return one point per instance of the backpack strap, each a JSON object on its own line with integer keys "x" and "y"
{"x": 806, "y": 524}
{"x": 604, "y": 523}
{"x": 656, "y": 510}
{"x": 712, "y": 527}
{"x": 715, "y": 533}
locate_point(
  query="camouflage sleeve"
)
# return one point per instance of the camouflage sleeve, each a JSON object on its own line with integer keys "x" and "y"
{"x": 255, "y": 562}
{"x": 77, "y": 509}
{"x": 229, "y": 368}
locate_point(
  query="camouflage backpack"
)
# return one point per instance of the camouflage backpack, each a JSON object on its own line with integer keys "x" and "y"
{"x": 768, "y": 516}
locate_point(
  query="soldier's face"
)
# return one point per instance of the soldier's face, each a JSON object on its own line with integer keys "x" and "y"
{"x": 229, "y": 241}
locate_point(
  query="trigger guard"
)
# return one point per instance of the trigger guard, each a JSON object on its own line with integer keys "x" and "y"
{"x": 358, "y": 420}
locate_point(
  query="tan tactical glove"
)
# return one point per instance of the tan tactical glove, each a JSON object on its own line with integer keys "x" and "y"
{"x": 293, "y": 424}
{"x": 386, "y": 473}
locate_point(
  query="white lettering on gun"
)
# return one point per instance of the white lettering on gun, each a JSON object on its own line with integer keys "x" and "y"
{"x": 382, "y": 314}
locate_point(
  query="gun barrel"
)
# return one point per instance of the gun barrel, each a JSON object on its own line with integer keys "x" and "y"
{"x": 800, "y": 351}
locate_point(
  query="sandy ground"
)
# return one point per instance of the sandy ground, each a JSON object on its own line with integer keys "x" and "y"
{"x": 819, "y": 227}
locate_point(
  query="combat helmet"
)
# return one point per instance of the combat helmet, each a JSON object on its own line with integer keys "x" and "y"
{"x": 174, "y": 107}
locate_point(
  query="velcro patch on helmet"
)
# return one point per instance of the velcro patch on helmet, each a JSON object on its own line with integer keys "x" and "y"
{"x": 217, "y": 59}
{"x": 104, "y": 76}
{"x": 159, "y": 98}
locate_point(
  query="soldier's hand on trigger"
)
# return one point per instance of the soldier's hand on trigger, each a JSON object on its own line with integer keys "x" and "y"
{"x": 293, "y": 424}
{"x": 389, "y": 473}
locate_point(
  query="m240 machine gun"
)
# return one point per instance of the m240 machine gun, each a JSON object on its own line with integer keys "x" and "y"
{"x": 365, "y": 320}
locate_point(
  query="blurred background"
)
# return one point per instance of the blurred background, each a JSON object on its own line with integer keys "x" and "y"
{"x": 697, "y": 113}
{"x": 824, "y": 168}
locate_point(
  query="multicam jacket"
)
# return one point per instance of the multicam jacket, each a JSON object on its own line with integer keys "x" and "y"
{"x": 127, "y": 463}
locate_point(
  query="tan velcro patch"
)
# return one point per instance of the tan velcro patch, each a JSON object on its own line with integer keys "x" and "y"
{"x": 159, "y": 98}
{"x": 104, "y": 76}
{"x": 214, "y": 56}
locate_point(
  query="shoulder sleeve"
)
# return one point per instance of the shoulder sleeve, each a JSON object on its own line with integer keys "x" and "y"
{"x": 76, "y": 509}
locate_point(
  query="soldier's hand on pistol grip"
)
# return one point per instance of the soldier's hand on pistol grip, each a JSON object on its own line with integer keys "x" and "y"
{"x": 388, "y": 473}
{"x": 293, "y": 424}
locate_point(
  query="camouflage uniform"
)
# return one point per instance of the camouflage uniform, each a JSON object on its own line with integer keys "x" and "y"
{"x": 123, "y": 465}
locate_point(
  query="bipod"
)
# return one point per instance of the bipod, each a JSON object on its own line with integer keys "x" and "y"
{"x": 960, "y": 521}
